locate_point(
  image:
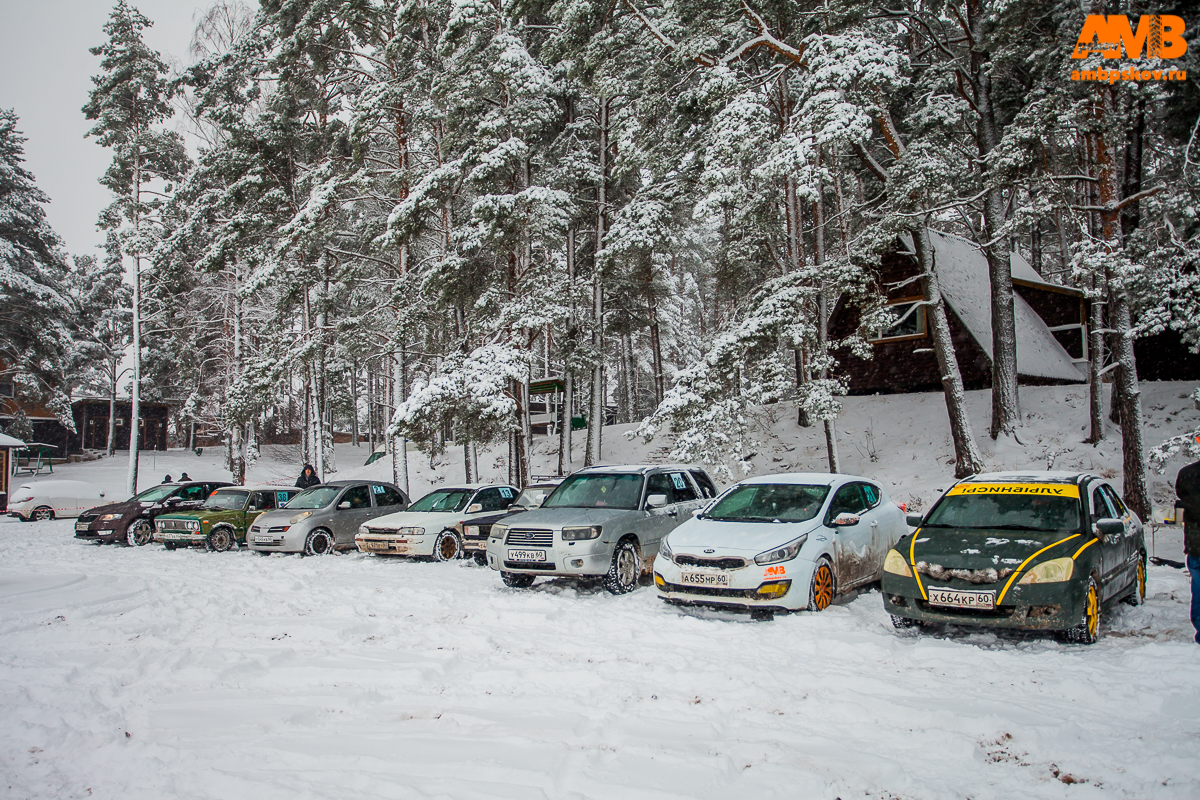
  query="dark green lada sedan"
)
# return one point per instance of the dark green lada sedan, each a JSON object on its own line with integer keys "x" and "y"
{"x": 221, "y": 522}
{"x": 1030, "y": 550}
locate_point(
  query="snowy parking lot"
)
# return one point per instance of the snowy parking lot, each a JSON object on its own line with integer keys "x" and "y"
{"x": 142, "y": 673}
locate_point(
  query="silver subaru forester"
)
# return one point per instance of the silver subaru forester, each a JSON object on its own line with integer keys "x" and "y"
{"x": 601, "y": 522}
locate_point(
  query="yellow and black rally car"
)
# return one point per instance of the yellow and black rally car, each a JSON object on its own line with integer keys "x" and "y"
{"x": 1026, "y": 550}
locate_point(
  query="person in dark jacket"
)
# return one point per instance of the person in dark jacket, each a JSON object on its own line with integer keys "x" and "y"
{"x": 167, "y": 479}
{"x": 308, "y": 477}
{"x": 1187, "y": 489}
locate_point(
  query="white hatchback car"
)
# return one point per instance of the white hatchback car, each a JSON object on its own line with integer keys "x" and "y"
{"x": 53, "y": 498}
{"x": 780, "y": 543}
{"x": 430, "y": 526}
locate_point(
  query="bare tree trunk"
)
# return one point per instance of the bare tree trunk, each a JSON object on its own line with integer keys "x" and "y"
{"x": 398, "y": 444}
{"x": 596, "y": 413}
{"x": 967, "y": 458}
{"x": 568, "y": 410}
{"x": 469, "y": 476}
{"x": 831, "y": 450}
{"x": 354, "y": 403}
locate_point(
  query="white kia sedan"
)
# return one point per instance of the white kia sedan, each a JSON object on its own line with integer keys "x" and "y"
{"x": 780, "y": 543}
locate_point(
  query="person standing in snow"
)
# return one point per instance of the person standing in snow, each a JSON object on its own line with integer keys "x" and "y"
{"x": 308, "y": 477}
{"x": 185, "y": 477}
{"x": 167, "y": 479}
{"x": 1187, "y": 489}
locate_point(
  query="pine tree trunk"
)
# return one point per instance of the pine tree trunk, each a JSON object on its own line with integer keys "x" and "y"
{"x": 831, "y": 450}
{"x": 469, "y": 476}
{"x": 565, "y": 431}
{"x": 110, "y": 449}
{"x": 398, "y": 444}
{"x": 596, "y": 413}
{"x": 967, "y": 458}
{"x": 1095, "y": 364}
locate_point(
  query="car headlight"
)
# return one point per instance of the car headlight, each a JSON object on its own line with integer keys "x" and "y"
{"x": 785, "y": 553}
{"x": 106, "y": 517}
{"x": 895, "y": 564}
{"x": 193, "y": 525}
{"x": 363, "y": 530}
{"x": 303, "y": 515}
{"x": 411, "y": 531}
{"x": 1055, "y": 570}
{"x": 665, "y": 551}
{"x": 470, "y": 530}
{"x": 498, "y": 531}
{"x": 579, "y": 534}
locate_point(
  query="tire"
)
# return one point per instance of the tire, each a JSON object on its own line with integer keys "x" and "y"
{"x": 903, "y": 623}
{"x": 517, "y": 580}
{"x": 318, "y": 543}
{"x": 1138, "y": 595}
{"x": 138, "y": 533}
{"x": 42, "y": 514}
{"x": 481, "y": 558}
{"x": 1088, "y": 630}
{"x": 447, "y": 547}
{"x": 169, "y": 545}
{"x": 221, "y": 539}
{"x": 822, "y": 588}
{"x": 762, "y": 614}
{"x": 626, "y": 568}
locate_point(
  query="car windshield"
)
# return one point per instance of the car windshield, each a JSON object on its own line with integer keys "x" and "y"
{"x": 443, "y": 500}
{"x": 1006, "y": 512}
{"x": 597, "y": 490}
{"x": 768, "y": 502}
{"x": 226, "y": 501}
{"x": 153, "y": 495}
{"x": 532, "y": 496}
{"x": 316, "y": 497}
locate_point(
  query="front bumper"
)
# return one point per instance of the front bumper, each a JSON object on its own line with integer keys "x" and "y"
{"x": 587, "y": 557}
{"x": 393, "y": 545}
{"x": 93, "y": 532}
{"x": 1031, "y": 607}
{"x": 273, "y": 540}
{"x": 181, "y": 538}
{"x": 778, "y": 587}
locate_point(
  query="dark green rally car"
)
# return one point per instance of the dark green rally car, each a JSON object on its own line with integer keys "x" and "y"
{"x": 221, "y": 522}
{"x": 1030, "y": 550}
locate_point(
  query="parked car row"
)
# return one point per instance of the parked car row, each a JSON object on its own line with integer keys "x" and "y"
{"x": 1034, "y": 551}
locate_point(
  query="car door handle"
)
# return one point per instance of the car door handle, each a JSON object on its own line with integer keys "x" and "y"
{"x": 673, "y": 513}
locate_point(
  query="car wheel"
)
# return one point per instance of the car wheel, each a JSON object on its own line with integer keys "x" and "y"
{"x": 481, "y": 558}
{"x": 138, "y": 533}
{"x": 318, "y": 543}
{"x": 762, "y": 614}
{"x": 623, "y": 573}
{"x": 1138, "y": 595}
{"x": 42, "y": 514}
{"x": 220, "y": 540}
{"x": 1087, "y": 631}
{"x": 447, "y": 547}
{"x": 517, "y": 580}
{"x": 902, "y": 623}
{"x": 169, "y": 545}
{"x": 822, "y": 587}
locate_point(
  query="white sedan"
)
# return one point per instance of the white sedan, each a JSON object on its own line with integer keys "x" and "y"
{"x": 780, "y": 543}
{"x": 52, "y": 499}
{"x": 430, "y": 527}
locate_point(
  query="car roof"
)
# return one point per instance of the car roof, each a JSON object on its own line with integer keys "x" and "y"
{"x": 820, "y": 478}
{"x": 259, "y": 487}
{"x": 1041, "y": 476}
{"x": 468, "y": 486}
{"x": 54, "y": 482}
{"x": 641, "y": 469}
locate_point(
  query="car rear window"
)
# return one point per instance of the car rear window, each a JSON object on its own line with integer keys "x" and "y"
{"x": 767, "y": 502}
{"x": 1027, "y": 507}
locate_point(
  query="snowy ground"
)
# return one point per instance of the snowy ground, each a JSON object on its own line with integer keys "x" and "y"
{"x": 141, "y": 673}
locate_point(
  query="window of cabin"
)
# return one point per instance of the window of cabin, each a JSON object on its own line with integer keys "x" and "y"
{"x": 8, "y": 389}
{"x": 909, "y": 321}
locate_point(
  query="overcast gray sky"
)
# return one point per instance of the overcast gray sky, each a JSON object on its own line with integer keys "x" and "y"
{"x": 45, "y": 75}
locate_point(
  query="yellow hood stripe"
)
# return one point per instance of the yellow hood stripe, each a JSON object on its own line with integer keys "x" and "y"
{"x": 1085, "y": 547}
{"x": 912, "y": 560}
{"x": 1031, "y": 558}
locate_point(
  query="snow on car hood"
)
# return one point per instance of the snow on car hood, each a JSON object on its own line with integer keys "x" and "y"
{"x": 282, "y": 516}
{"x": 431, "y": 521}
{"x": 955, "y": 548}
{"x": 698, "y": 534}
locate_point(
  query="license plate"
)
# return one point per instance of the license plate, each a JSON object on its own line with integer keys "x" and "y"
{"x": 704, "y": 579}
{"x": 264, "y": 540}
{"x": 81, "y": 526}
{"x": 526, "y": 555}
{"x": 958, "y": 598}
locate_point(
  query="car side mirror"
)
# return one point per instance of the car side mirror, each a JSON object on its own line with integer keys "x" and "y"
{"x": 655, "y": 501}
{"x": 171, "y": 501}
{"x": 342, "y": 506}
{"x": 914, "y": 520}
{"x": 1106, "y": 528}
{"x": 507, "y": 506}
{"x": 474, "y": 508}
{"x": 697, "y": 512}
{"x": 845, "y": 519}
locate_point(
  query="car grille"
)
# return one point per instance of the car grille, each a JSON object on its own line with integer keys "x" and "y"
{"x": 87, "y": 517}
{"x": 255, "y": 529}
{"x": 1001, "y": 612}
{"x": 277, "y": 529}
{"x": 520, "y": 537}
{"x": 375, "y": 531}
{"x": 530, "y": 565}
{"x": 727, "y": 562}
{"x": 710, "y": 591}
{"x": 172, "y": 524}
{"x": 938, "y": 572}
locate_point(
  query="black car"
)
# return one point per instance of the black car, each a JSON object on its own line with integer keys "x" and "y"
{"x": 132, "y": 521}
{"x": 475, "y": 532}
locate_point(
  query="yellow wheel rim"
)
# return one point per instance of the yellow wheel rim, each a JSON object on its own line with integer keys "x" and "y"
{"x": 1141, "y": 580}
{"x": 823, "y": 588}
{"x": 1092, "y": 613}
{"x": 449, "y": 547}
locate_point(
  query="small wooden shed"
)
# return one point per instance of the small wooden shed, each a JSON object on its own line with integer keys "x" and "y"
{"x": 7, "y": 445}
